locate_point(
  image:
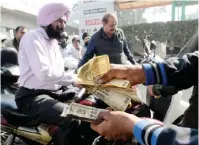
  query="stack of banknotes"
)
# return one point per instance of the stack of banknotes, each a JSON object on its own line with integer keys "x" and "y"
{"x": 117, "y": 93}
{"x": 82, "y": 112}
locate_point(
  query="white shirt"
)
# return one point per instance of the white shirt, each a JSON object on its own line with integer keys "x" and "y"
{"x": 40, "y": 62}
{"x": 73, "y": 52}
{"x": 69, "y": 61}
{"x": 63, "y": 52}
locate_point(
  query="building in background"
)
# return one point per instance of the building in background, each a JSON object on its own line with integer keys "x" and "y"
{"x": 91, "y": 13}
{"x": 87, "y": 14}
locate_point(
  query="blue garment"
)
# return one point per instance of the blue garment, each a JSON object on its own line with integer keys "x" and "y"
{"x": 181, "y": 73}
{"x": 154, "y": 134}
{"x": 115, "y": 47}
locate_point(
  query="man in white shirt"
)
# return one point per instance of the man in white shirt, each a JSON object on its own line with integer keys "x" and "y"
{"x": 63, "y": 42}
{"x": 74, "y": 50}
{"x": 70, "y": 63}
{"x": 42, "y": 73}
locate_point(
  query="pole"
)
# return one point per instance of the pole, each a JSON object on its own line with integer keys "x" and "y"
{"x": 183, "y": 10}
{"x": 173, "y": 10}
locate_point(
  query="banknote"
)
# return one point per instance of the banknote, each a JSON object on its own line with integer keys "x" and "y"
{"x": 116, "y": 93}
{"x": 117, "y": 98}
{"x": 100, "y": 65}
{"x": 118, "y": 83}
{"x": 84, "y": 74}
{"x": 131, "y": 93}
{"x": 113, "y": 98}
{"x": 82, "y": 112}
{"x": 95, "y": 68}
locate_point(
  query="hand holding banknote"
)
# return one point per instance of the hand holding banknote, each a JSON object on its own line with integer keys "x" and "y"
{"x": 116, "y": 88}
{"x": 82, "y": 112}
{"x": 115, "y": 124}
{"x": 135, "y": 74}
{"x": 94, "y": 69}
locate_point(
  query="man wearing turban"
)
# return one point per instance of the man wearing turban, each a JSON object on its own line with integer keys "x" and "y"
{"x": 42, "y": 72}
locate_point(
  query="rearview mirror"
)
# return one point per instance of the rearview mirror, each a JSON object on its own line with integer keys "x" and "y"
{"x": 153, "y": 45}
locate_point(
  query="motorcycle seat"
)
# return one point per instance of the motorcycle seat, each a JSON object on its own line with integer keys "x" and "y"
{"x": 13, "y": 116}
{"x": 9, "y": 74}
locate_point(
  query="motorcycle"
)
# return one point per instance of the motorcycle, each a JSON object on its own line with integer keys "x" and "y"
{"x": 23, "y": 129}
{"x": 19, "y": 128}
{"x": 27, "y": 130}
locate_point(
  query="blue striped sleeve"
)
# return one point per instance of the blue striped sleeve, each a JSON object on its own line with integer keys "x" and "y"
{"x": 155, "y": 136}
{"x": 142, "y": 133}
{"x": 148, "y": 70}
{"x": 137, "y": 130}
{"x": 151, "y": 75}
{"x": 163, "y": 73}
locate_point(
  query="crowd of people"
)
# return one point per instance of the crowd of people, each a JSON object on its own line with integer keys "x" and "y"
{"x": 42, "y": 71}
{"x": 75, "y": 54}
{"x": 72, "y": 53}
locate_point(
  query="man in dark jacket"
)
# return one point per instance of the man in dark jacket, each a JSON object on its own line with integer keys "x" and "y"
{"x": 179, "y": 72}
{"x": 109, "y": 40}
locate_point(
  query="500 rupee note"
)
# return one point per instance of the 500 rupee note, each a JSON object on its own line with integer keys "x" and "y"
{"x": 82, "y": 112}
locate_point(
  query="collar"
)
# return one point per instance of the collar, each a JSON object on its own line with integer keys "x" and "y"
{"x": 43, "y": 32}
{"x": 103, "y": 34}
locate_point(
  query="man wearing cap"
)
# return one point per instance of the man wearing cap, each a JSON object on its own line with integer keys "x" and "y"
{"x": 86, "y": 37}
{"x": 42, "y": 72}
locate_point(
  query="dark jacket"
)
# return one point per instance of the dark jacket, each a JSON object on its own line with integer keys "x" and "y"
{"x": 12, "y": 43}
{"x": 116, "y": 47}
{"x": 147, "y": 132}
{"x": 181, "y": 73}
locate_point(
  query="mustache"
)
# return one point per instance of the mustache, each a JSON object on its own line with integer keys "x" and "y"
{"x": 54, "y": 33}
{"x": 60, "y": 29}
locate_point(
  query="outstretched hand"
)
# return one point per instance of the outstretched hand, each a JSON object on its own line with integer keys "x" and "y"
{"x": 134, "y": 73}
{"x": 115, "y": 125}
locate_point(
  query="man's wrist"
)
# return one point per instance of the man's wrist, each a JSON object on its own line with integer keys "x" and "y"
{"x": 131, "y": 123}
{"x": 137, "y": 72}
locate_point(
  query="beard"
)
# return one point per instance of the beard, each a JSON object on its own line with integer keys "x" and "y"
{"x": 63, "y": 45}
{"x": 55, "y": 34}
{"x": 86, "y": 43}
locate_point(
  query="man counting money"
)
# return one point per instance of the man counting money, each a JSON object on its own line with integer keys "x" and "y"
{"x": 118, "y": 124}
